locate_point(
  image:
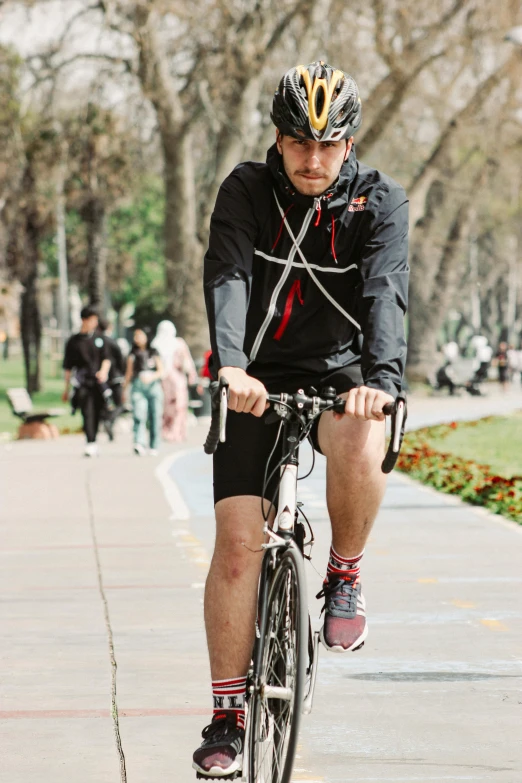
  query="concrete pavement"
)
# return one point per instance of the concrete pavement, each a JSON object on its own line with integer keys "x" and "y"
{"x": 114, "y": 551}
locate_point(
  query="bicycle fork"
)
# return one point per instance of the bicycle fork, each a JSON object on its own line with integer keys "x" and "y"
{"x": 286, "y": 517}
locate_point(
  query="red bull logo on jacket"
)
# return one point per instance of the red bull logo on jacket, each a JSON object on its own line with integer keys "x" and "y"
{"x": 358, "y": 204}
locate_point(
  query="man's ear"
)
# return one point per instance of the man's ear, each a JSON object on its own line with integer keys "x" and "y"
{"x": 348, "y": 147}
{"x": 279, "y": 137}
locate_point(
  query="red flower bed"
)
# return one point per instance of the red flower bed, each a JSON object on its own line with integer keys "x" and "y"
{"x": 474, "y": 483}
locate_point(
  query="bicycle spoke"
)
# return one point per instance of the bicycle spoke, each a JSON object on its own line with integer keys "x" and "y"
{"x": 273, "y": 717}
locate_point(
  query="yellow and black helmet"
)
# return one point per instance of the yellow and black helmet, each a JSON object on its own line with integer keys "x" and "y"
{"x": 317, "y": 102}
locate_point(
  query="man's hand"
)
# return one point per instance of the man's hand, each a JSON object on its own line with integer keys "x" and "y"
{"x": 102, "y": 376}
{"x": 365, "y": 404}
{"x": 65, "y": 395}
{"x": 246, "y": 394}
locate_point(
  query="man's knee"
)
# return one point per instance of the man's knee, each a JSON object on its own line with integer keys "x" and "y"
{"x": 355, "y": 443}
{"x": 239, "y": 535}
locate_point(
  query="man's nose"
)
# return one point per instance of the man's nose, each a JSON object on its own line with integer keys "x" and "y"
{"x": 313, "y": 161}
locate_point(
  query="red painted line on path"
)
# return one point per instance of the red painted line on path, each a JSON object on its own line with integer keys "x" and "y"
{"x": 70, "y": 588}
{"x": 45, "y": 547}
{"x": 103, "y": 713}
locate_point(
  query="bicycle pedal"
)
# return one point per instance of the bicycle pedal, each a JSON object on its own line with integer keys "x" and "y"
{"x": 233, "y": 776}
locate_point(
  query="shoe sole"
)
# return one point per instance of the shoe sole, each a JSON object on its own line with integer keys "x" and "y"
{"x": 217, "y": 773}
{"x": 339, "y": 649}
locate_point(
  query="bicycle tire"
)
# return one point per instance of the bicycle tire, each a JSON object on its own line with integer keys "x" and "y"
{"x": 280, "y": 660}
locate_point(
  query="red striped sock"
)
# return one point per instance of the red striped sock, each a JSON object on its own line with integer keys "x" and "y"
{"x": 344, "y": 567}
{"x": 229, "y": 696}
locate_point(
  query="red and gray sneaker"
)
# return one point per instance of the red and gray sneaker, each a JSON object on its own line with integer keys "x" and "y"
{"x": 221, "y": 752}
{"x": 344, "y": 625}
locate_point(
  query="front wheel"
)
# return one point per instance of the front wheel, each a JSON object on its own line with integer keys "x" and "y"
{"x": 279, "y": 671}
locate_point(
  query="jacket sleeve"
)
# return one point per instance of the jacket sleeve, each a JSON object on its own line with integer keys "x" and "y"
{"x": 228, "y": 271}
{"x": 68, "y": 359}
{"x": 384, "y": 296}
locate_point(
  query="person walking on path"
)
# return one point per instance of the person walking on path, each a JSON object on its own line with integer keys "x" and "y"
{"x": 116, "y": 377}
{"x": 178, "y": 366}
{"x": 502, "y": 363}
{"x": 87, "y": 354}
{"x": 144, "y": 373}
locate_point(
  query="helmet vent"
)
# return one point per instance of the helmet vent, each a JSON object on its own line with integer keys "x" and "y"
{"x": 319, "y": 100}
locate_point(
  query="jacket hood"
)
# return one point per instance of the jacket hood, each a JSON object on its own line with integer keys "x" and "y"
{"x": 338, "y": 194}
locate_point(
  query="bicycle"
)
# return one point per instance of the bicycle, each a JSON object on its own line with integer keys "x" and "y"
{"x": 281, "y": 680}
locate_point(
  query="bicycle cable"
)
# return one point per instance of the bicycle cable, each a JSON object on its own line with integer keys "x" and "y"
{"x": 304, "y": 435}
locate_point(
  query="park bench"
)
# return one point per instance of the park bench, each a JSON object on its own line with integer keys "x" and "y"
{"x": 34, "y": 424}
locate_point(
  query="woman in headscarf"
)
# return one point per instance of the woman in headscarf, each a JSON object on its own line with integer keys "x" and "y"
{"x": 178, "y": 365}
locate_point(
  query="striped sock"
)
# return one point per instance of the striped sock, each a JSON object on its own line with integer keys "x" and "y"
{"x": 229, "y": 695}
{"x": 344, "y": 567}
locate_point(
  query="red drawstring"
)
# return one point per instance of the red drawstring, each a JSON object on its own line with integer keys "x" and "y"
{"x": 317, "y": 221}
{"x": 333, "y": 239}
{"x": 278, "y": 237}
{"x": 295, "y": 289}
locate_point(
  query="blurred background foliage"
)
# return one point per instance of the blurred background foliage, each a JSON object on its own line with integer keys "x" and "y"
{"x": 120, "y": 119}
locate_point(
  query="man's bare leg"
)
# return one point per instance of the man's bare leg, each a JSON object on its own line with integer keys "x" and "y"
{"x": 231, "y": 588}
{"x": 355, "y": 483}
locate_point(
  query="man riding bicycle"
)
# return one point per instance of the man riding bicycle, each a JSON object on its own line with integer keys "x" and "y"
{"x": 306, "y": 281}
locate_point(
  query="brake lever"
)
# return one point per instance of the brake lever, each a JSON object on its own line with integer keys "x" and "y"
{"x": 398, "y": 412}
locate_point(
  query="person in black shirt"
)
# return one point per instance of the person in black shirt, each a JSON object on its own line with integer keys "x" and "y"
{"x": 116, "y": 377}
{"x": 144, "y": 373}
{"x": 88, "y": 355}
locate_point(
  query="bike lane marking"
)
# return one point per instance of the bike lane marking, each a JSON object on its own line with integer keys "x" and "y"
{"x": 192, "y": 547}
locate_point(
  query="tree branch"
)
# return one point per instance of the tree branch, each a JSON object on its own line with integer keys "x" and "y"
{"x": 465, "y": 114}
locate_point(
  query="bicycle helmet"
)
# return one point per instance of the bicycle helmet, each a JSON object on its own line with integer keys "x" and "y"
{"x": 317, "y": 102}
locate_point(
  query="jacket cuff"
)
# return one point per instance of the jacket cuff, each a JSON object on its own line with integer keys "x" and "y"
{"x": 385, "y": 385}
{"x": 232, "y": 358}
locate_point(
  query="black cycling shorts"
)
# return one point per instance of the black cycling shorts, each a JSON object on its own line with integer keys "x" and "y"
{"x": 240, "y": 462}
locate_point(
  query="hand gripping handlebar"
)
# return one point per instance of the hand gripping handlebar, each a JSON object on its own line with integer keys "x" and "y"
{"x": 301, "y": 402}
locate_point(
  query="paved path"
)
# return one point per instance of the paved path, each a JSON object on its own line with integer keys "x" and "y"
{"x": 115, "y": 551}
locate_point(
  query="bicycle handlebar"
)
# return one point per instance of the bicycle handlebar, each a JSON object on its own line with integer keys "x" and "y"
{"x": 216, "y": 433}
{"x": 301, "y": 402}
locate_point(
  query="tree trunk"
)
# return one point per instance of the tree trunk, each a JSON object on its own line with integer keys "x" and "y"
{"x": 31, "y": 332}
{"x": 429, "y": 304}
{"x": 94, "y": 215}
{"x": 183, "y": 253}
{"x": 30, "y": 312}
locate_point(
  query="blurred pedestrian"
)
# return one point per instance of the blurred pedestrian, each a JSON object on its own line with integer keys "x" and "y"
{"x": 143, "y": 374}
{"x": 87, "y": 356}
{"x": 483, "y": 355}
{"x": 502, "y": 364}
{"x": 515, "y": 364}
{"x": 179, "y": 371}
{"x": 116, "y": 377}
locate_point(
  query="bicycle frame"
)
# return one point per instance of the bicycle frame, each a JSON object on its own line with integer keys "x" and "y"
{"x": 287, "y": 503}
{"x": 283, "y": 531}
{"x": 284, "y": 550}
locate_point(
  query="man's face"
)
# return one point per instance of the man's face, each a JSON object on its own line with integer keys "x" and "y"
{"x": 90, "y": 323}
{"x": 312, "y": 166}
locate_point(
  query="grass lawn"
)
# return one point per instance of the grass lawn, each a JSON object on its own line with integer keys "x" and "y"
{"x": 493, "y": 441}
{"x": 12, "y": 375}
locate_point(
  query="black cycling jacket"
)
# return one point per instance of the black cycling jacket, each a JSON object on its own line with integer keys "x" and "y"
{"x": 300, "y": 286}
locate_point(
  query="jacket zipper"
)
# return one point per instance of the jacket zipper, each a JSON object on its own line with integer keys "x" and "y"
{"x": 317, "y": 203}
{"x": 277, "y": 290}
{"x": 295, "y": 289}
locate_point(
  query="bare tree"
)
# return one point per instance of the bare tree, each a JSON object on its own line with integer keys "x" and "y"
{"x": 428, "y": 72}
